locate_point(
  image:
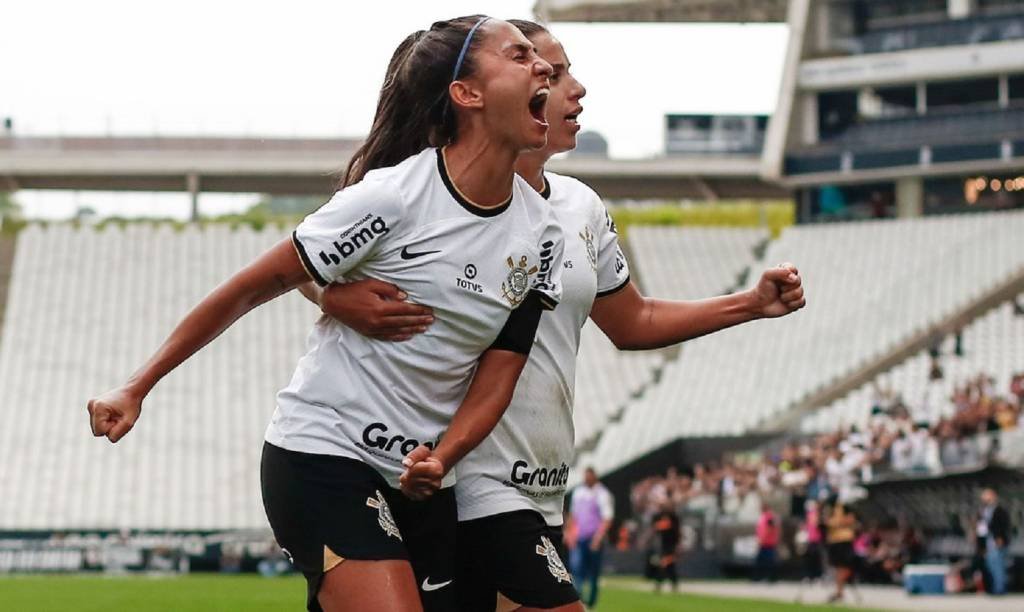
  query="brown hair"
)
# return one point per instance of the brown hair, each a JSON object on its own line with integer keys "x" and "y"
{"x": 413, "y": 111}
{"x": 528, "y": 28}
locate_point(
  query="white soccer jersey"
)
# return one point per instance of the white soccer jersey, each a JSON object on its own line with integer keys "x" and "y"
{"x": 375, "y": 400}
{"x": 524, "y": 463}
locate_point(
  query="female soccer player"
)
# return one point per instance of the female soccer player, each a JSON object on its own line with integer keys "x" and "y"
{"x": 510, "y": 540}
{"x": 457, "y": 229}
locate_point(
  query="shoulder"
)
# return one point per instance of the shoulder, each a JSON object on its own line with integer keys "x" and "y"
{"x": 396, "y": 180}
{"x": 569, "y": 189}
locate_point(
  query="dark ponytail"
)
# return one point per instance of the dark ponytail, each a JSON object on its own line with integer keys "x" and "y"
{"x": 413, "y": 111}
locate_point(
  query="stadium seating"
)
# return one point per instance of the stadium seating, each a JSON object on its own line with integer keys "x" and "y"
{"x": 671, "y": 263}
{"x": 85, "y": 308}
{"x": 992, "y": 344}
{"x": 861, "y": 305}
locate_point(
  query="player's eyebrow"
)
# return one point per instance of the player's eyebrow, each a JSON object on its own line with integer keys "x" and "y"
{"x": 519, "y": 47}
{"x": 559, "y": 67}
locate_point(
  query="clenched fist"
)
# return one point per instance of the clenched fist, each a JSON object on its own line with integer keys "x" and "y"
{"x": 114, "y": 413}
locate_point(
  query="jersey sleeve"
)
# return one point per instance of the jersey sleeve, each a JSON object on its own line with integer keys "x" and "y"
{"x": 612, "y": 268}
{"x": 347, "y": 229}
{"x": 548, "y": 281}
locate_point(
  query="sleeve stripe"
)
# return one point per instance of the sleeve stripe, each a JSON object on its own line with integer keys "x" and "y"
{"x": 615, "y": 289}
{"x": 306, "y": 263}
{"x": 548, "y": 302}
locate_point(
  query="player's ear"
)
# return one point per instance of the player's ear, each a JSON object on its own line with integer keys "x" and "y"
{"x": 465, "y": 94}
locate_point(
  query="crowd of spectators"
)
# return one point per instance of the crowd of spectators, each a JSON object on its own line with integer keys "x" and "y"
{"x": 836, "y": 465}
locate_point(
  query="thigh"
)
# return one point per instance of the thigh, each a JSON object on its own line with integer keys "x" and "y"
{"x": 429, "y": 529}
{"x": 325, "y": 511}
{"x": 369, "y": 586}
{"x": 521, "y": 560}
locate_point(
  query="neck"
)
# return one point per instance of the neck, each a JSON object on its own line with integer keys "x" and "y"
{"x": 530, "y": 166}
{"x": 481, "y": 170}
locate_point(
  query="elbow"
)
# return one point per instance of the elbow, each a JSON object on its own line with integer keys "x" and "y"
{"x": 627, "y": 344}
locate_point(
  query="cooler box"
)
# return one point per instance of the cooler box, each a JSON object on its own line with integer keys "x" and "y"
{"x": 925, "y": 579}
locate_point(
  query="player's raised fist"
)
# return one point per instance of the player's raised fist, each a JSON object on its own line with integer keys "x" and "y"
{"x": 114, "y": 413}
{"x": 779, "y": 292}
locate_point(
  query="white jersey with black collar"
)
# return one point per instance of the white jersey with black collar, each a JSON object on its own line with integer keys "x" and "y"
{"x": 375, "y": 400}
{"x": 524, "y": 463}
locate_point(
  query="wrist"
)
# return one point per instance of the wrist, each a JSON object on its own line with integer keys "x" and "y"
{"x": 137, "y": 387}
{"x": 752, "y": 304}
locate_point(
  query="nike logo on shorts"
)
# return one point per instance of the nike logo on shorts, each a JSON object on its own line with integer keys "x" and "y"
{"x": 407, "y": 254}
{"x": 426, "y": 586}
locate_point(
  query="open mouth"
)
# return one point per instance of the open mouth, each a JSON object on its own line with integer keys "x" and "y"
{"x": 573, "y": 117}
{"x": 537, "y": 104}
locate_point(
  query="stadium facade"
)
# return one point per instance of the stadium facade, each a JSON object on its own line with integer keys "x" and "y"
{"x": 901, "y": 108}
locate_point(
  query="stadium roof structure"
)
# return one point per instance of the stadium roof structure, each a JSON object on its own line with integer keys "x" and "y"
{"x": 311, "y": 167}
{"x": 693, "y": 11}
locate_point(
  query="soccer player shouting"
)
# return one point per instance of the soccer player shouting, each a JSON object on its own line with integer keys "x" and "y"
{"x": 431, "y": 203}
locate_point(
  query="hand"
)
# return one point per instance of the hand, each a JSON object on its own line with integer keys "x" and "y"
{"x": 114, "y": 413}
{"x": 595, "y": 544}
{"x": 423, "y": 474}
{"x": 779, "y": 292}
{"x": 376, "y": 309}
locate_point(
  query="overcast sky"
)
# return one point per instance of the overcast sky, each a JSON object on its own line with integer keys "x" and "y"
{"x": 305, "y": 68}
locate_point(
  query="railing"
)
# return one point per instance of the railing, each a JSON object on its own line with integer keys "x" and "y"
{"x": 969, "y": 31}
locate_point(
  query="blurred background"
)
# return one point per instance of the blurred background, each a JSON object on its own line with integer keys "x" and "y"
{"x": 149, "y": 151}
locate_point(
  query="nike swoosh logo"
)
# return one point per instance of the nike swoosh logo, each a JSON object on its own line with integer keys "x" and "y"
{"x": 433, "y": 587}
{"x": 407, "y": 254}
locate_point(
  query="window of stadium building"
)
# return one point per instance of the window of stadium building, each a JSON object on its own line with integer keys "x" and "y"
{"x": 969, "y": 92}
{"x": 837, "y": 111}
{"x": 999, "y": 7}
{"x": 847, "y": 202}
{"x": 982, "y": 192}
{"x": 1016, "y": 87}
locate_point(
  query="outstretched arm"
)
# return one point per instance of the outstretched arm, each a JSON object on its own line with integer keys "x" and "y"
{"x": 277, "y": 271}
{"x": 635, "y": 322}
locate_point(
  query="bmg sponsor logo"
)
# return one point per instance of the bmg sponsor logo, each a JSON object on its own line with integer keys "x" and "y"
{"x": 543, "y": 281}
{"x": 354, "y": 238}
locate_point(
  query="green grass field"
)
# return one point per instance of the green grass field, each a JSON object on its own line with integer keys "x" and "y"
{"x": 212, "y": 593}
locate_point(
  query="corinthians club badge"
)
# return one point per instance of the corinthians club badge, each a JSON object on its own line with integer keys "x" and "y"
{"x": 384, "y": 518}
{"x": 518, "y": 281}
{"x": 555, "y": 565}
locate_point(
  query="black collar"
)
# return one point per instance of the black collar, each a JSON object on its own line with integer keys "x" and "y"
{"x": 546, "y": 192}
{"x": 476, "y": 209}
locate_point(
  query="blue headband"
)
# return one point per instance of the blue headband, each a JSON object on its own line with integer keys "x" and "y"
{"x": 465, "y": 47}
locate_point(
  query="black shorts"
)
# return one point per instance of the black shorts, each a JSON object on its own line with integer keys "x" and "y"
{"x": 512, "y": 556}
{"x": 840, "y": 554}
{"x": 325, "y": 509}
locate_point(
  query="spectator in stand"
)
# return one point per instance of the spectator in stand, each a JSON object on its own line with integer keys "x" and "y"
{"x": 841, "y": 530}
{"x": 768, "y": 533}
{"x": 667, "y": 543}
{"x": 1017, "y": 388}
{"x": 811, "y": 530}
{"x": 592, "y": 510}
{"x": 993, "y": 533}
